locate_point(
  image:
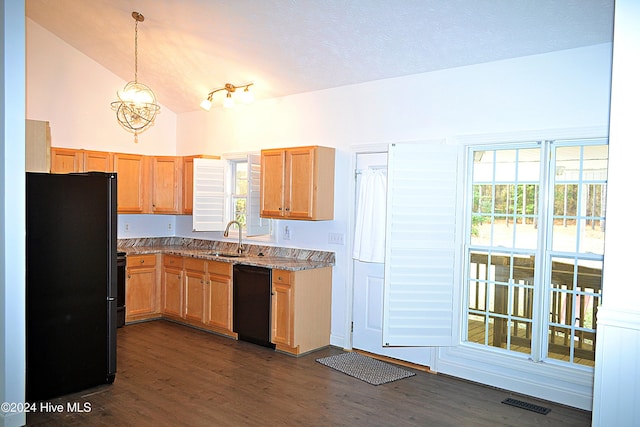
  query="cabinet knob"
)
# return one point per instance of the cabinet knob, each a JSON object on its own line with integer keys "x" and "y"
{"x": 141, "y": 261}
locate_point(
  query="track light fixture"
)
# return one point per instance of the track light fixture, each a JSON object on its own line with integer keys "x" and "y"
{"x": 247, "y": 96}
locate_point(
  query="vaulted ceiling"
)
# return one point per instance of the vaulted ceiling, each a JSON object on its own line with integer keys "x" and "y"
{"x": 187, "y": 48}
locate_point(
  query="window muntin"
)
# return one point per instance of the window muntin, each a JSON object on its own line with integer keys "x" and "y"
{"x": 510, "y": 260}
{"x": 239, "y": 191}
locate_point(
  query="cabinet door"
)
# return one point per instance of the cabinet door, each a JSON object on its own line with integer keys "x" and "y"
{"x": 66, "y": 160}
{"x": 166, "y": 180}
{"x": 194, "y": 296}
{"x": 272, "y": 183}
{"x": 220, "y": 302}
{"x": 281, "y": 309}
{"x": 172, "y": 291}
{"x": 299, "y": 183}
{"x": 98, "y": 161}
{"x": 187, "y": 185}
{"x": 131, "y": 181}
{"x": 141, "y": 292}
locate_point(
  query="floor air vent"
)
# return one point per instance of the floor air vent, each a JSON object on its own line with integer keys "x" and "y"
{"x": 528, "y": 406}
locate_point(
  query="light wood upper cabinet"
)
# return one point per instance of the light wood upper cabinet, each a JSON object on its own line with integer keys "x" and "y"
{"x": 297, "y": 183}
{"x": 71, "y": 160}
{"x": 97, "y": 161}
{"x": 132, "y": 173}
{"x": 187, "y": 184}
{"x": 146, "y": 184}
{"x": 66, "y": 160}
{"x": 272, "y": 183}
{"x": 166, "y": 184}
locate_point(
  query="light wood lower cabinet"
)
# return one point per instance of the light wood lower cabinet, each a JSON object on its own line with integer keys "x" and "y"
{"x": 301, "y": 309}
{"x": 199, "y": 292}
{"x": 195, "y": 288}
{"x": 172, "y": 289}
{"x": 141, "y": 288}
{"x": 220, "y": 297}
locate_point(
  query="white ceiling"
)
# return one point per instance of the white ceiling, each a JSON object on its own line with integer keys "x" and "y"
{"x": 187, "y": 48}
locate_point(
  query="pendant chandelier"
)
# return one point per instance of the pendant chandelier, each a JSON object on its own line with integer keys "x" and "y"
{"x": 136, "y": 107}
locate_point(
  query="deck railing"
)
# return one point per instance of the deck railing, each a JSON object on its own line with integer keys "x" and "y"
{"x": 579, "y": 287}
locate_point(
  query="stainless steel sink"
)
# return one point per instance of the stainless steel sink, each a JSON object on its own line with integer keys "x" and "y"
{"x": 227, "y": 254}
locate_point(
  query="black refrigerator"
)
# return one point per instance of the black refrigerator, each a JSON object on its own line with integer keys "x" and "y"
{"x": 71, "y": 282}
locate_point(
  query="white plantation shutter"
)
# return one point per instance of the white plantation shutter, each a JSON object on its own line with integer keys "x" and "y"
{"x": 420, "y": 249}
{"x": 255, "y": 225}
{"x": 208, "y": 195}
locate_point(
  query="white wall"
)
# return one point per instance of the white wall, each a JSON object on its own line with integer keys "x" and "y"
{"x": 74, "y": 94}
{"x": 567, "y": 89}
{"x": 616, "y": 391}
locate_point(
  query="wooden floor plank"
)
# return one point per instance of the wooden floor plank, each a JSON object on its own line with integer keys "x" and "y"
{"x": 173, "y": 375}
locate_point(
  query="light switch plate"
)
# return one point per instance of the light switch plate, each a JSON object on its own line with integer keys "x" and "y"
{"x": 336, "y": 238}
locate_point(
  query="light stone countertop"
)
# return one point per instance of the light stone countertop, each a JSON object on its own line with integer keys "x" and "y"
{"x": 267, "y": 261}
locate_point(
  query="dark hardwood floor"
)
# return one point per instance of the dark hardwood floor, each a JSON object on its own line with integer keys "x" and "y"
{"x": 170, "y": 374}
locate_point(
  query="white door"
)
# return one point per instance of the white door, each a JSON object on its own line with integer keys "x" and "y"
{"x": 368, "y": 293}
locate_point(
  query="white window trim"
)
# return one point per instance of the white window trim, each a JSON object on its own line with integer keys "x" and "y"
{"x": 571, "y": 386}
{"x": 233, "y": 232}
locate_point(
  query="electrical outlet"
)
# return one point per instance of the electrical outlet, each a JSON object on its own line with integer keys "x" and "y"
{"x": 126, "y": 227}
{"x": 336, "y": 238}
{"x": 287, "y": 233}
{"x": 170, "y": 226}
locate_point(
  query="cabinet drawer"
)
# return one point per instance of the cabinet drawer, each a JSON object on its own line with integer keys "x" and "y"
{"x": 173, "y": 261}
{"x": 281, "y": 277}
{"x": 194, "y": 264}
{"x": 134, "y": 261}
{"x": 220, "y": 268}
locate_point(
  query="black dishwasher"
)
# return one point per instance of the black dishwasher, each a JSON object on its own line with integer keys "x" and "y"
{"x": 252, "y": 304}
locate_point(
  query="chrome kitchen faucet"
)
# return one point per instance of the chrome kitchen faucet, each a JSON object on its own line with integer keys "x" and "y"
{"x": 226, "y": 234}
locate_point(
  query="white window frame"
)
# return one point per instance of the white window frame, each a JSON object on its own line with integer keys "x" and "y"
{"x": 567, "y": 385}
{"x": 257, "y": 228}
{"x": 220, "y": 206}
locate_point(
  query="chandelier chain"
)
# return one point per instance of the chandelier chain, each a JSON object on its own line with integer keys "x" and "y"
{"x": 135, "y": 75}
